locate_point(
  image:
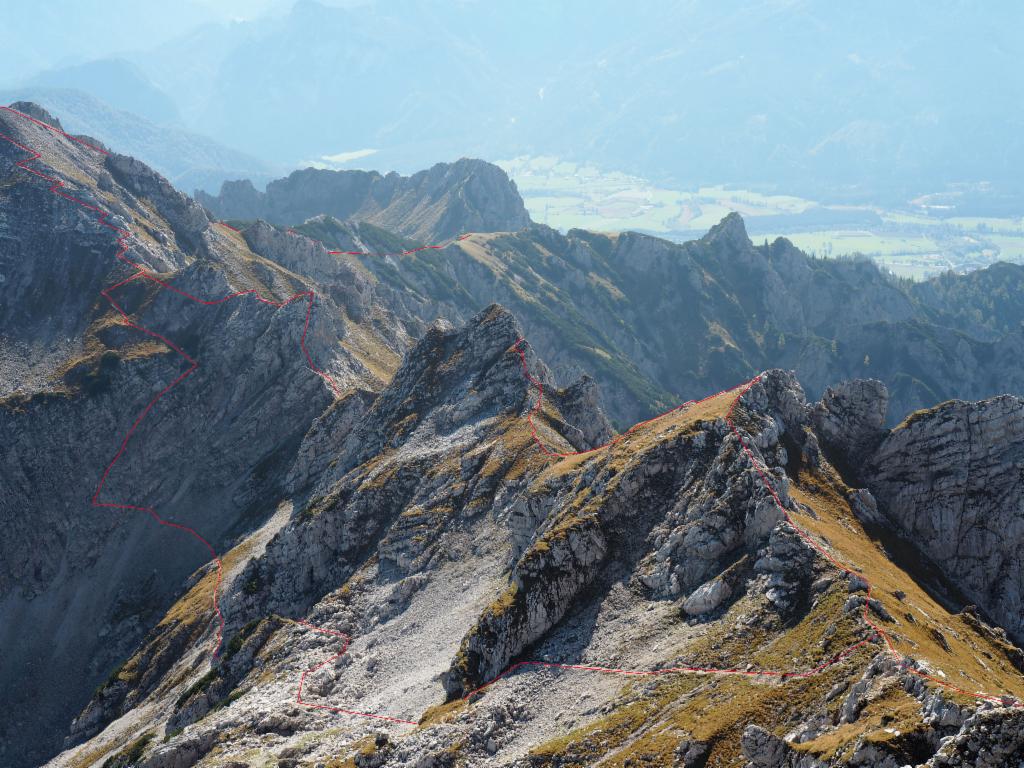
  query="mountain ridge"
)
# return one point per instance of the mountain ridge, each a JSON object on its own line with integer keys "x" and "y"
{"x": 442, "y": 202}
{"x": 608, "y": 302}
{"x": 319, "y": 522}
{"x": 656, "y": 322}
{"x": 100, "y": 374}
{"x": 413, "y": 512}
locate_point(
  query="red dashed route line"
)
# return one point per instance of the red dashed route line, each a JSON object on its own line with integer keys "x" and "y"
{"x": 880, "y": 633}
{"x": 345, "y": 641}
{"x": 678, "y": 670}
{"x": 309, "y": 296}
{"x": 56, "y": 186}
{"x": 438, "y": 247}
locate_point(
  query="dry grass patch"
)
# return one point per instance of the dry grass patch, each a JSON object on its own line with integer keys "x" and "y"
{"x": 951, "y": 644}
{"x": 443, "y": 713}
{"x": 920, "y": 414}
{"x": 887, "y": 720}
{"x": 645, "y": 436}
{"x": 366, "y": 347}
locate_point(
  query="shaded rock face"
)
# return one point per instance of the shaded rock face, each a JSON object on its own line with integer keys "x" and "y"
{"x": 186, "y": 217}
{"x": 57, "y": 254}
{"x": 91, "y": 581}
{"x": 951, "y": 480}
{"x": 433, "y": 205}
{"x": 850, "y": 421}
{"x": 766, "y": 750}
{"x": 586, "y": 424}
{"x": 349, "y": 288}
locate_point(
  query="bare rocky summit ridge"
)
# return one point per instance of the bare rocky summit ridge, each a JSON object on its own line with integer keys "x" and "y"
{"x": 443, "y": 202}
{"x": 37, "y": 112}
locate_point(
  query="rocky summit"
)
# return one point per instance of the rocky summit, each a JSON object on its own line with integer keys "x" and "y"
{"x": 443, "y": 202}
{"x": 268, "y": 504}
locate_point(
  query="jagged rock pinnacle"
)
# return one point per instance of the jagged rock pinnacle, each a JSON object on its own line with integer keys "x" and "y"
{"x": 730, "y": 231}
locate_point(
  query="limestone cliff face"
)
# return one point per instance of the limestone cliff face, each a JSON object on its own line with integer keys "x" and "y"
{"x": 850, "y": 422}
{"x": 443, "y": 202}
{"x": 948, "y": 479}
{"x": 90, "y": 581}
{"x": 951, "y": 480}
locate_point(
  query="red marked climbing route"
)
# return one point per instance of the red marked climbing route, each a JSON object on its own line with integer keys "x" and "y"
{"x": 880, "y": 633}
{"x": 438, "y": 247}
{"x": 56, "y": 186}
{"x": 675, "y": 670}
{"x": 345, "y": 640}
{"x": 141, "y": 273}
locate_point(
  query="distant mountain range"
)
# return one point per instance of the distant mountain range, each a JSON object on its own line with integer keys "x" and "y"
{"x": 868, "y": 105}
{"x": 116, "y": 82}
{"x": 654, "y": 321}
{"x": 188, "y": 160}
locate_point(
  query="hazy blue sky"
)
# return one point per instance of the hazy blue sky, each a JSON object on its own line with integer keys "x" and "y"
{"x": 843, "y": 100}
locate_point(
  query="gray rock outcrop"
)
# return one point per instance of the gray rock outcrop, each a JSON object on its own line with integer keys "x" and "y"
{"x": 951, "y": 480}
{"x": 850, "y": 420}
{"x": 991, "y": 739}
{"x": 76, "y": 378}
